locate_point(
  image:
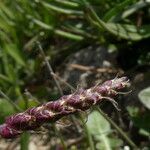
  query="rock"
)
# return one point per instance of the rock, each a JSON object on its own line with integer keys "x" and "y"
{"x": 89, "y": 60}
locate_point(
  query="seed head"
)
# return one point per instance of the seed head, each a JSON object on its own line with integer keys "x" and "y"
{"x": 51, "y": 111}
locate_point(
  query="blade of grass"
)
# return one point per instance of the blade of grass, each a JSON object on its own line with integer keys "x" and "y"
{"x": 5, "y": 78}
{"x": 133, "y": 8}
{"x": 61, "y": 10}
{"x": 12, "y": 50}
{"x": 58, "y": 31}
{"x": 128, "y": 32}
{"x": 109, "y": 16}
{"x": 68, "y": 3}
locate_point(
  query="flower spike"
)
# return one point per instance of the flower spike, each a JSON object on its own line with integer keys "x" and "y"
{"x": 52, "y": 111}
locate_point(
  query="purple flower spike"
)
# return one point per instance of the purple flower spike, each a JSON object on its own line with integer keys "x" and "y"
{"x": 8, "y": 132}
{"x": 52, "y": 111}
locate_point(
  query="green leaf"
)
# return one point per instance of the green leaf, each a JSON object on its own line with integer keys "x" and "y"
{"x": 140, "y": 119}
{"x": 132, "y": 9}
{"x": 61, "y": 10}
{"x": 118, "y": 13}
{"x": 4, "y": 36}
{"x": 133, "y": 111}
{"x": 114, "y": 142}
{"x": 6, "y": 109}
{"x": 99, "y": 127}
{"x": 7, "y": 11}
{"x": 116, "y": 10}
{"x": 9, "y": 69}
{"x": 58, "y": 32}
{"x": 4, "y": 25}
{"x": 129, "y": 32}
{"x": 144, "y": 132}
{"x": 124, "y": 31}
{"x": 12, "y": 50}
{"x": 144, "y": 97}
{"x": 42, "y": 24}
{"x": 68, "y": 35}
{"x": 68, "y": 3}
{"x": 143, "y": 121}
{"x": 5, "y": 78}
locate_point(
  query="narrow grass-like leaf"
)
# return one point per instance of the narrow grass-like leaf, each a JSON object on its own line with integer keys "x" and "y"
{"x": 6, "y": 10}
{"x": 58, "y": 32}
{"x": 125, "y": 31}
{"x": 5, "y": 78}
{"x": 132, "y": 9}
{"x": 78, "y": 31}
{"x": 61, "y": 10}
{"x": 42, "y": 24}
{"x": 12, "y": 50}
{"x": 68, "y": 35}
{"x": 116, "y": 10}
{"x": 7, "y": 66}
{"x": 4, "y": 25}
{"x": 4, "y": 36}
{"x": 68, "y": 3}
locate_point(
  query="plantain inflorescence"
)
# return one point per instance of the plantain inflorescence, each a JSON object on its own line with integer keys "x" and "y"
{"x": 51, "y": 111}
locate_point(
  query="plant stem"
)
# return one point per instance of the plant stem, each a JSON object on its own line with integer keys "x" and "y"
{"x": 122, "y": 133}
{"x": 24, "y": 141}
{"x": 49, "y": 67}
{"x": 63, "y": 81}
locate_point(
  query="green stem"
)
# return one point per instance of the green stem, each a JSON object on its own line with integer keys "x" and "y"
{"x": 24, "y": 141}
{"x": 122, "y": 133}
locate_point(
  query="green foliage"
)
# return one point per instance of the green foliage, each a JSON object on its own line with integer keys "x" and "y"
{"x": 124, "y": 31}
{"x": 144, "y": 97}
{"x": 6, "y": 109}
{"x": 99, "y": 127}
{"x": 64, "y": 27}
{"x": 140, "y": 120}
{"x": 12, "y": 50}
{"x": 24, "y": 22}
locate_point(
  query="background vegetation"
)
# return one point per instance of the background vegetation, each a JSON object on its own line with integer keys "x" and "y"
{"x": 64, "y": 27}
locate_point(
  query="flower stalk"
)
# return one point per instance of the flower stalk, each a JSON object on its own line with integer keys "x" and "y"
{"x": 81, "y": 100}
